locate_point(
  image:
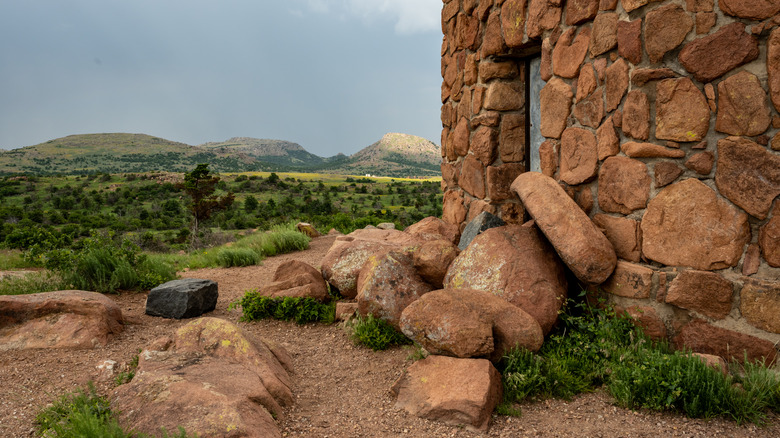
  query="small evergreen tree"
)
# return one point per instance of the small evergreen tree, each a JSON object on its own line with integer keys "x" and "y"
{"x": 200, "y": 185}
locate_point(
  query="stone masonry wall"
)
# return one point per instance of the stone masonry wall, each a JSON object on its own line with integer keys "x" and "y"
{"x": 660, "y": 119}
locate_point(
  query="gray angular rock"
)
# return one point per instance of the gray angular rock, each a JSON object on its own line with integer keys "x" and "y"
{"x": 484, "y": 221}
{"x": 184, "y": 298}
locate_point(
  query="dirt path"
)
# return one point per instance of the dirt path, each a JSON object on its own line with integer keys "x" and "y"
{"x": 341, "y": 390}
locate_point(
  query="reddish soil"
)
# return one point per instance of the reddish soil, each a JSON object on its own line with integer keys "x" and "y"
{"x": 341, "y": 390}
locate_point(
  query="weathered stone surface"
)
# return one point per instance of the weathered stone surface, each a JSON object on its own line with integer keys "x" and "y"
{"x": 590, "y": 111}
{"x": 466, "y": 32}
{"x": 646, "y": 318}
{"x": 769, "y": 238}
{"x": 460, "y": 139}
{"x": 213, "y": 381}
{"x": 773, "y": 66}
{"x": 705, "y": 292}
{"x": 511, "y": 144}
{"x": 493, "y": 42}
{"x": 641, "y": 76}
{"x": 432, "y": 260}
{"x": 579, "y": 156}
{"x": 469, "y": 323}
{"x": 665, "y": 28}
{"x": 649, "y": 150}
{"x": 701, "y": 163}
{"x": 184, "y": 298}
{"x": 545, "y": 69}
{"x": 295, "y": 278}
{"x": 555, "y": 106}
{"x": 504, "y": 96}
{"x": 624, "y": 185}
{"x": 499, "y": 178}
{"x": 607, "y": 141}
{"x": 705, "y": 338}
{"x": 461, "y": 392}
{"x": 760, "y": 304}
{"x": 343, "y": 261}
{"x": 630, "y": 281}
{"x": 587, "y": 82}
{"x": 487, "y": 118}
{"x": 630, "y": 5}
{"x": 548, "y": 157}
{"x": 308, "y": 229}
{"x": 584, "y": 249}
{"x": 616, "y": 83}
{"x": 629, "y": 40}
{"x": 472, "y": 177}
{"x": 686, "y": 224}
{"x": 607, "y": 5}
{"x": 748, "y": 174}
{"x": 742, "y": 106}
{"x": 515, "y": 263}
{"x": 681, "y": 111}
{"x": 483, "y": 222}
{"x": 513, "y": 22}
{"x": 666, "y": 173}
{"x": 636, "y": 115}
{"x": 542, "y": 15}
{"x": 705, "y": 21}
{"x": 624, "y": 234}
{"x": 578, "y": 11}
{"x": 699, "y": 5}
{"x": 345, "y": 311}
{"x": 712, "y": 56}
{"x": 62, "y": 319}
{"x": 752, "y": 260}
{"x": 387, "y": 283}
{"x": 569, "y": 52}
{"x": 604, "y": 36}
{"x": 750, "y": 9}
{"x": 433, "y": 228}
{"x": 484, "y": 144}
{"x": 454, "y": 210}
{"x": 497, "y": 70}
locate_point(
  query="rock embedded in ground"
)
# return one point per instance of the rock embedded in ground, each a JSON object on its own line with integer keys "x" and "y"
{"x": 454, "y": 391}
{"x": 297, "y": 279}
{"x": 581, "y": 246}
{"x": 214, "y": 380}
{"x": 517, "y": 264}
{"x": 387, "y": 284}
{"x": 61, "y": 319}
{"x": 184, "y": 298}
{"x": 479, "y": 224}
{"x": 469, "y": 323}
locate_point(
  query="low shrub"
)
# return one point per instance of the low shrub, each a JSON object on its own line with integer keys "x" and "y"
{"x": 302, "y": 310}
{"x": 280, "y": 239}
{"x": 230, "y": 257}
{"x": 32, "y": 283}
{"x": 375, "y": 333}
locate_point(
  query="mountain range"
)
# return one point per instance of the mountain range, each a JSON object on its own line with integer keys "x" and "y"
{"x": 394, "y": 155}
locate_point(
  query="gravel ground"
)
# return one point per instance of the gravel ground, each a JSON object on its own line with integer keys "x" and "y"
{"x": 341, "y": 390}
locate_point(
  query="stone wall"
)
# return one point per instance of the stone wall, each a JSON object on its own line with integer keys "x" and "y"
{"x": 660, "y": 119}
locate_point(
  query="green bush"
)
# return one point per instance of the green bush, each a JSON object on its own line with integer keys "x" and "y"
{"x": 376, "y": 333}
{"x": 302, "y": 310}
{"x": 229, "y": 257}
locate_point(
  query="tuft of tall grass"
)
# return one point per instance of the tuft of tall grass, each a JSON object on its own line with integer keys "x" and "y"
{"x": 375, "y": 333}
{"x": 32, "y": 283}
{"x": 280, "y": 239}
{"x": 229, "y": 257}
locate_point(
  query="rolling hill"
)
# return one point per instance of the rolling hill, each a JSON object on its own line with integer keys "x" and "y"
{"x": 395, "y": 155}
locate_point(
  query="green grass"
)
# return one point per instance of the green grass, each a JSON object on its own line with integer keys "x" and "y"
{"x": 85, "y": 414}
{"x": 279, "y": 239}
{"x": 13, "y": 260}
{"x": 35, "y": 282}
{"x": 301, "y": 310}
{"x": 376, "y": 333}
{"x": 594, "y": 348}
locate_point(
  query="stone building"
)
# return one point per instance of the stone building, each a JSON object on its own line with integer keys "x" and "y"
{"x": 659, "y": 118}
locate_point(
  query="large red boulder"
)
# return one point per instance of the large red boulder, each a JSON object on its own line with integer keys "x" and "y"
{"x": 433, "y": 228}
{"x": 62, "y": 319}
{"x": 297, "y": 279}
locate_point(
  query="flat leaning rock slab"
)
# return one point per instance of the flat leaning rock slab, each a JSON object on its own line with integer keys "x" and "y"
{"x": 579, "y": 243}
{"x": 184, "y": 298}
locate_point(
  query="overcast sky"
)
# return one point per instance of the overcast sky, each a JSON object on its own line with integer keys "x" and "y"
{"x": 332, "y": 75}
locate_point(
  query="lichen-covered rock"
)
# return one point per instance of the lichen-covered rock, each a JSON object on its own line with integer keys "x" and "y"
{"x": 742, "y": 106}
{"x": 213, "y": 381}
{"x": 483, "y": 222}
{"x": 62, "y": 319}
{"x": 460, "y": 392}
{"x": 681, "y": 112}
{"x": 581, "y": 246}
{"x": 515, "y": 263}
{"x": 433, "y": 228}
{"x": 387, "y": 284}
{"x": 469, "y": 323}
{"x": 687, "y": 224}
{"x": 748, "y": 174}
